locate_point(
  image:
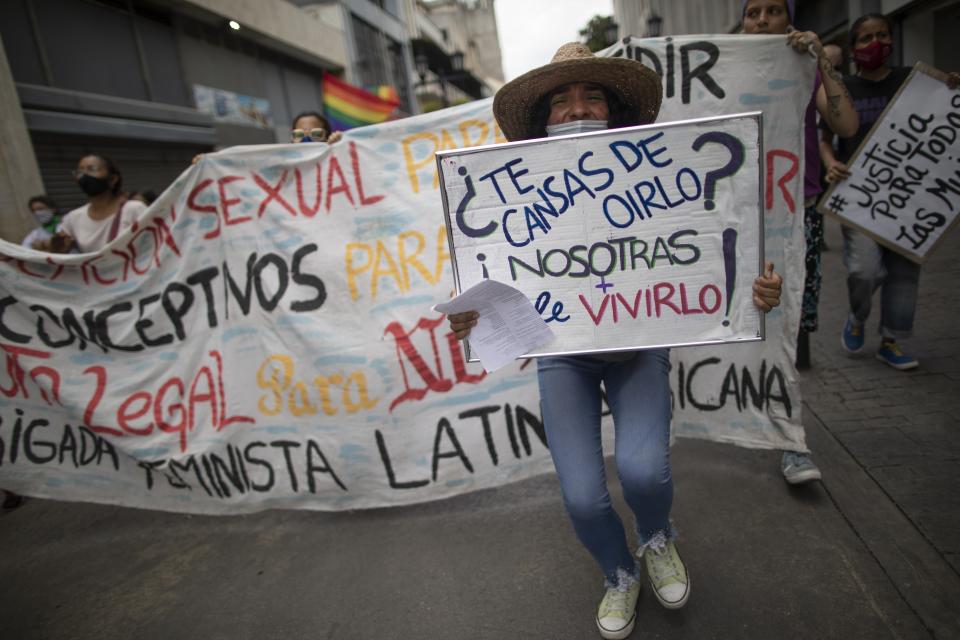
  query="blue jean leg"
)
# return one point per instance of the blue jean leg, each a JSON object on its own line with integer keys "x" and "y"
{"x": 871, "y": 265}
{"x": 898, "y": 296}
{"x": 639, "y": 396}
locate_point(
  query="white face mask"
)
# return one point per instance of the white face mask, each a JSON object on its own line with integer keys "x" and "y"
{"x": 577, "y": 126}
{"x": 43, "y": 216}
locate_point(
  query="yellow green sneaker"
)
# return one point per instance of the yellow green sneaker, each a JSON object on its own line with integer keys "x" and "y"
{"x": 618, "y": 609}
{"x": 667, "y": 574}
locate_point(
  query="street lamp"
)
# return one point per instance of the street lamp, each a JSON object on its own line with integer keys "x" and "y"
{"x": 423, "y": 65}
{"x": 611, "y": 32}
{"x": 654, "y": 24}
{"x": 456, "y": 61}
{"x": 444, "y": 73}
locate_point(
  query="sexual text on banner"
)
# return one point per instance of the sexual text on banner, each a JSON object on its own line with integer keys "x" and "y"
{"x": 263, "y": 338}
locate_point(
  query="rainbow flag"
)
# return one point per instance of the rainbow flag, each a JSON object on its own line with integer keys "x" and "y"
{"x": 388, "y": 93}
{"x": 347, "y": 106}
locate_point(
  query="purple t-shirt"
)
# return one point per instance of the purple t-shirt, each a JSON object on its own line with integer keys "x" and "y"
{"x": 811, "y": 147}
{"x": 870, "y": 98}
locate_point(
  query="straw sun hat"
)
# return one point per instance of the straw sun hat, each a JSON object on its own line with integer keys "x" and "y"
{"x": 638, "y": 87}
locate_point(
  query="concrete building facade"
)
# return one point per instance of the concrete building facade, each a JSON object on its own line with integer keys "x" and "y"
{"x": 456, "y": 46}
{"x": 151, "y": 83}
{"x": 924, "y": 30}
{"x": 643, "y": 18}
{"x": 376, "y": 40}
{"x": 472, "y": 26}
{"x": 19, "y": 173}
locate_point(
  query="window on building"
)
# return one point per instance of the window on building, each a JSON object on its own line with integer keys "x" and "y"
{"x": 389, "y": 6}
{"x": 380, "y": 60}
{"x": 133, "y": 54}
{"x": 23, "y": 51}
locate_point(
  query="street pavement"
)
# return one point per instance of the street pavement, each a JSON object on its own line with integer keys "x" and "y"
{"x": 871, "y": 552}
{"x": 902, "y": 429}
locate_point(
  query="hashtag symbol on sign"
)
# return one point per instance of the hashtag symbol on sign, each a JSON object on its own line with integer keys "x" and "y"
{"x": 837, "y": 203}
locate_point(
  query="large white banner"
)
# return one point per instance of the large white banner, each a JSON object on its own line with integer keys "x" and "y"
{"x": 747, "y": 395}
{"x": 639, "y": 237}
{"x": 264, "y": 337}
{"x": 904, "y": 183}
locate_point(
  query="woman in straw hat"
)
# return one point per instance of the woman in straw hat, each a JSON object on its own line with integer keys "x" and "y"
{"x": 580, "y": 92}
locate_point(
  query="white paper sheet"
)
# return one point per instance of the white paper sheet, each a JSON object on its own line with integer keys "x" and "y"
{"x": 508, "y": 327}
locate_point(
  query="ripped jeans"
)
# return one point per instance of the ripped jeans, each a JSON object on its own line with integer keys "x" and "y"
{"x": 871, "y": 265}
{"x": 638, "y": 392}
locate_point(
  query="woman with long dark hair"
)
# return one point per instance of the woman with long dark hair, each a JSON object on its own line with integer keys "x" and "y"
{"x": 107, "y": 212}
{"x": 869, "y": 264}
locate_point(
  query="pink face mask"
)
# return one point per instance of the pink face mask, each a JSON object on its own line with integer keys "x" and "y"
{"x": 873, "y": 55}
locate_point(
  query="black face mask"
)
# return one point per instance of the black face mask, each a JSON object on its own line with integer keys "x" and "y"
{"x": 93, "y": 186}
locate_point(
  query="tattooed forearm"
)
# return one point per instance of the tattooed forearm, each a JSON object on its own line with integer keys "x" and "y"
{"x": 838, "y": 98}
{"x": 833, "y": 104}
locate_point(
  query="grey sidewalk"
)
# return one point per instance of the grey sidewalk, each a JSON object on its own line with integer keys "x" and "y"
{"x": 902, "y": 429}
{"x": 870, "y": 553}
{"x": 765, "y": 562}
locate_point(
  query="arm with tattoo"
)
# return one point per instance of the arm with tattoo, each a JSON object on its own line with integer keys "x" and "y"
{"x": 834, "y": 102}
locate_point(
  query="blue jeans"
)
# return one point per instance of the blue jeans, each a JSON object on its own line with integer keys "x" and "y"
{"x": 870, "y": 265}
{"x": 638, "y": 392}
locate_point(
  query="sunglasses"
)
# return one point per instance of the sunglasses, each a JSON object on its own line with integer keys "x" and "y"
{"x": 315, "y": 134}
{"x": 90, "y": 169}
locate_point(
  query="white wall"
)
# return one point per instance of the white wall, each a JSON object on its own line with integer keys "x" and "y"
{"x": 19, "y": 173}
{"x": 285, "y": 23}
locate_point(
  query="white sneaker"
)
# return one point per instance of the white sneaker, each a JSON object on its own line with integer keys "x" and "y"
{"x": 618, "y": 609}
{"x": 798, "y": 468}
{"x": 667, "y": 574}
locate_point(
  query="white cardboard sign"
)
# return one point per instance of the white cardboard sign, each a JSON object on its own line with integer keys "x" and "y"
{"x": 623, "y": 239}
{"x": 904, "y": 184}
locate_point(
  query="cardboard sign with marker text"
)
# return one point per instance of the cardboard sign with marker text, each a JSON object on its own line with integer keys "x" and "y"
{"x": 628, "y": 238}
{"x": 904, "y": 184}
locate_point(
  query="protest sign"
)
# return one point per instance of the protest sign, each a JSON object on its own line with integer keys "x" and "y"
{"x": 264, "y": 337}
{"x": 633, "y": 238}
{"x": 904, "y": 183}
